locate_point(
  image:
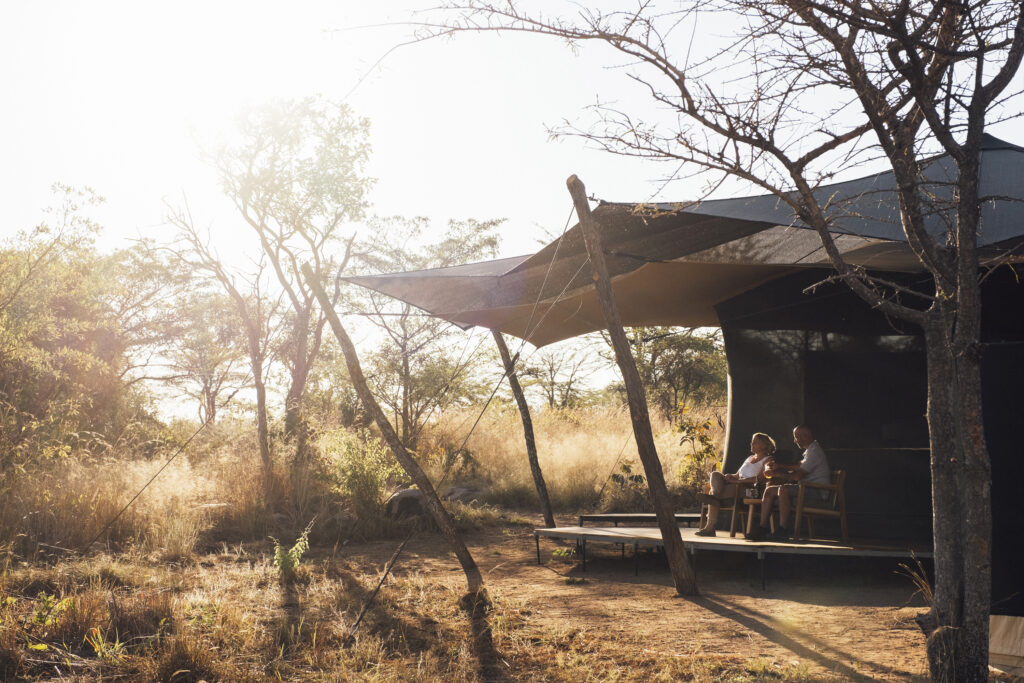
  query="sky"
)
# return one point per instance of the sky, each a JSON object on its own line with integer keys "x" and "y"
{"x": 115, "y": 96}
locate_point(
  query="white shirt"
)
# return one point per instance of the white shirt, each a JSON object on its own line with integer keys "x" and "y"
{"x": 815, "y": 465}
{"x": 750, "y": 469}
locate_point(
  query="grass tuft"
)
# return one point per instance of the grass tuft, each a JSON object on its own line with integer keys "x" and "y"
{"x": 187, "y": 659}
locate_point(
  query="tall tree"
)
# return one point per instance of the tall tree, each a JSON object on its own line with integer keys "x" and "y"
{"x": 295, "y": 172}
{"x": 810, "y": 87}
{"x": 206, "y": 359}
{"x": 145, "y": 286}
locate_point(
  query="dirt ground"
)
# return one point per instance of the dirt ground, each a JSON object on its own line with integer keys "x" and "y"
{"x": 829, "y": 617}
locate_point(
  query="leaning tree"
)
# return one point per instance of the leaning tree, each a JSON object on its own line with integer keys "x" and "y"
{"x": 801, "y": 91}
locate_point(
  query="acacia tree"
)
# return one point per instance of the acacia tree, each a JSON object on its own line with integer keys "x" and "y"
{"x": 679, "y": 366}
{"x": 808, "y": 87}
{"x": 560, "y": 374}
{"x": 206, "y": 357}
{"x": 295, "y": 174}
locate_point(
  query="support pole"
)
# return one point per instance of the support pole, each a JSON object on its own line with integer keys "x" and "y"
{"x": 531, "y": 444}
{"x": 664, "y": 510}
{"x": 444, "y": 521}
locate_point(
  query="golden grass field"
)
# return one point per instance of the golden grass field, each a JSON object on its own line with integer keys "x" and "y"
{"x": 184, "y": 586}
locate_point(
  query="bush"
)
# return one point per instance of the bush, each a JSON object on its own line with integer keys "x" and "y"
{"x": 626, "y": 491}
{"x": 699, "y": 454}
{"x": 364, "y": 469}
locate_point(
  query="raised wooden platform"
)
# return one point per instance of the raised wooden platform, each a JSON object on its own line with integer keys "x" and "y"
{"x": 689, "y": 518}
{"x": 651, "y": 536}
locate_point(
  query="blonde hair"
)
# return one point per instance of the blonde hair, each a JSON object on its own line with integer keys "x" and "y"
{"x": 761, "y": 436}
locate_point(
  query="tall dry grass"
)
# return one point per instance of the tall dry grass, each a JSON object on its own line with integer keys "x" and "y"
{"x": 579, "y": 450}
{"x": 215, "y": 491}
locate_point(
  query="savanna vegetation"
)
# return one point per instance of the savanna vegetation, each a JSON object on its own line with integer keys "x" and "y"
{"x": 210, "y": 387}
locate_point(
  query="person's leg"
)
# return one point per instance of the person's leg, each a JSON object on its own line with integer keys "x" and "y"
{"x": 709, "y": 525}
{"x": 770, "y": 494}
{"x": 718, "y": 484}
{"x": 785, "y": 506}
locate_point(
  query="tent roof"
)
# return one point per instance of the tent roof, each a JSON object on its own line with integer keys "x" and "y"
{"x": 672, "y": 263}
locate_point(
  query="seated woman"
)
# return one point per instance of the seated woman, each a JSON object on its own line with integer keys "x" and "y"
{"x": 724, "y": 486}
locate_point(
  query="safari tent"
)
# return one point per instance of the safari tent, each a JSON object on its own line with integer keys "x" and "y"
{"x": 799, "y": 349}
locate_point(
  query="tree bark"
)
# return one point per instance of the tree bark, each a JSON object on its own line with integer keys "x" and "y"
{"x": 682, "y": 573}
{"x": 474, "y": 580}
{"x": 262, "y": 430}
{"x": 957, "y": 624}
{"x": 531, "y": 444}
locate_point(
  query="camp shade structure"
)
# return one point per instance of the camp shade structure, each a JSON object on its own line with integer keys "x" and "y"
{"x": 821, "y": 357}
{"x": 672, "y": 263}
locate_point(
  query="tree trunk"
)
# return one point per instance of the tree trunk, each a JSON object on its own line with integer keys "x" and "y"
{"x": 253, "y": 337}
{"x": 682, "y": 572}
{"x": 474, "y": 580}
{"x": 531, "y": 444}
{"x": 262, "y": 430}
{"x": 957, "y": 624}
{"x": 294, "y": 424}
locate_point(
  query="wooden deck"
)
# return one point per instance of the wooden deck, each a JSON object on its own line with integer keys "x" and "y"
{"x": 651, "y": 537}
{"x": 689, "y": 518}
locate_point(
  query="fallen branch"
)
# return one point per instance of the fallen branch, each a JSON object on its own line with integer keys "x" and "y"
{"x": 369, "y": 601}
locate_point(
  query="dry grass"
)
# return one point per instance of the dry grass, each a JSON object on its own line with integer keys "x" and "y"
{"x": 227, "y": 617}
{"x": 183, "y": 587}
{"x": 578, "y": 452}
{"x": 215, "y": 491}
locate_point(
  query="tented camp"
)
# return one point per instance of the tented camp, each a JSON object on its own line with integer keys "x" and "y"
{"x": 796, "y": 352}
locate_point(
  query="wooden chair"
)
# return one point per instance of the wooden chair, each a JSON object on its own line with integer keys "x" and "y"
{"x": 834, "y": 506}
{"x": 734, "y": 505}
{"x": 754, "y": 515}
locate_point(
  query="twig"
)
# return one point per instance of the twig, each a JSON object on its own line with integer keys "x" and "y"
{"x": 369, "y": 600}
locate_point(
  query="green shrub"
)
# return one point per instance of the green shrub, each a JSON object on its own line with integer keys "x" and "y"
{"x": 364, "y": 469}
{"x": 287, "y": 561}
{"x": 701, "y": 457}
{"x": 626, "y": 491}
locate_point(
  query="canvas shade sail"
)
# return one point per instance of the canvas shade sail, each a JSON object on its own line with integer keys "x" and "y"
{"x": 672, "y": 263}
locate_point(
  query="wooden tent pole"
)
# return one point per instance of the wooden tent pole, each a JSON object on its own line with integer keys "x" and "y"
{"x": 531, "y": 444}
{"x": 682, "y": 572}
{"x": 445, "y": 523}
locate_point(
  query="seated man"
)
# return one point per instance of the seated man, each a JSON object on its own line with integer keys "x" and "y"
{"x": 812, "y": 468}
